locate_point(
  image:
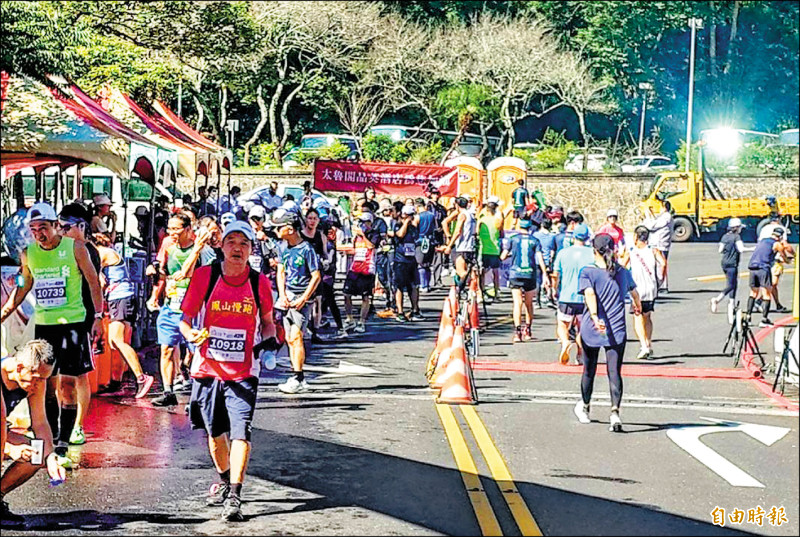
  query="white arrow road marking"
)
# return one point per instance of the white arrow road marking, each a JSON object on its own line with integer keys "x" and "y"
{"x": 688, "y": 438}
{"x": 344, "y": 369}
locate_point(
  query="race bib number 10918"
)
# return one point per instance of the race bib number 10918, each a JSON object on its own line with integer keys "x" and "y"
{"x": 226, "y": 344}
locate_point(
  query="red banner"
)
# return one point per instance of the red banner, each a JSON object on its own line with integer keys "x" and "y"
{"x": 390, "y": 179}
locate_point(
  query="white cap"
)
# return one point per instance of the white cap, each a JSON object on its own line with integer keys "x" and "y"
{"x": 612, "y": 212}
{"x": 101, "y": 199}
{"x": 409, "y": 209}
{"x": 42, "y": 211}
{"x": 493, "y": 199}
{"x": 258, "y": 211}
{"x": 227, "y": 218}
{"x": 734, "y": 222}
{"x": 366, "y": 216}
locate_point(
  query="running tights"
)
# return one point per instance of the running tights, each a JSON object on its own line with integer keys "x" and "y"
{"x": 732, "y": 277}
{"x": 329, "y": 301}
{"x": 614, "y": 356}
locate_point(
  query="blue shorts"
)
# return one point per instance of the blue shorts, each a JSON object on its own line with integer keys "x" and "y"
{"x": 224, "y": 406}
{"x": 168, "y": 327}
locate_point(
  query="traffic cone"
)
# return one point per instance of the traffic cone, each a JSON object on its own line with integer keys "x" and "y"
{"x": 456, "y": 388}
{"x": 444, "y": 340}
{"x": 474, "y": 292}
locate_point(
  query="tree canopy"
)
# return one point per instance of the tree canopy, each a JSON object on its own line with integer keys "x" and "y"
{"x": 506, "y": 68}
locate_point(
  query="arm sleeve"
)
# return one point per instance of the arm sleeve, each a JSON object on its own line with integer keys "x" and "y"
{"x": 722, "y": 247}
{"x": 739, "y": 247}
{"x": 193, "y": 301}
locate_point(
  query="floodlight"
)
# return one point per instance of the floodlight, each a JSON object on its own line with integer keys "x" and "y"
{"x": 723, "y": 142}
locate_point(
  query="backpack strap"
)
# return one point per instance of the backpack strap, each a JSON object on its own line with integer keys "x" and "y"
{"x": 254, "y": 277}
{"x": 216, "y": 273}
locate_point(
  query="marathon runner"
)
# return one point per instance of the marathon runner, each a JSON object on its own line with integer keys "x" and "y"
{"x": 604, "y": 286}
{"x": 405, "y": 264}
{"x": 525, "y": 253}
{"x": 55, "y": 267}
{"x": 566, "y": 273}
{"x": 24, "y": 378}
{"x": 233, "y": 306}
{"x": 360, "y": 279}
{"x": 761, "y": 273}
{"x": 731, "y": 247}
{"x": 384, "y": 255}
{"x": 462, "y": 240}
{"x": 784, "y": 256}
{"x": 490, "y": 231}
{"x": 298, "y": 277}
{"x": 644, "y": 262}
{"x": 425, "y": 221}
{"x": 520, "y": 198}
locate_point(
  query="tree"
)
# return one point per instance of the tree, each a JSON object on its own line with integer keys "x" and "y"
{"x": 466, "y": 103}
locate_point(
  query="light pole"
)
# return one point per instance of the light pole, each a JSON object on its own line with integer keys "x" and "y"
{"x": 645, "y": 87}
{"x": 695, "y": 24}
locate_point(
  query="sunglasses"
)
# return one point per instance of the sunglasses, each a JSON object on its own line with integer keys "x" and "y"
{"x": 66, "y": 227}
{"x": 257, "y": 218}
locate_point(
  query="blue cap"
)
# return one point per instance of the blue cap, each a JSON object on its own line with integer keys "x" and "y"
{"x": 524, "y": 224}
{"x": 581, "y": 232}
{"x": 242, "y": 227}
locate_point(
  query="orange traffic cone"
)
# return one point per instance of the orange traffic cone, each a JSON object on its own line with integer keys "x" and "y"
{"x": 445, "y": 338}
{"x": 456, "y": 388}
{"x": 474, "y": 292}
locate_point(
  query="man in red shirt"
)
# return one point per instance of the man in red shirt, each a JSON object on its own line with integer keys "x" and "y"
{"x": 612, "y": 228}
{"x": 232, "y": 308}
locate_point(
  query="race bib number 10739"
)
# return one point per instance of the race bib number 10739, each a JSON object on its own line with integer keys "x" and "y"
{"x": 51, "y": 292}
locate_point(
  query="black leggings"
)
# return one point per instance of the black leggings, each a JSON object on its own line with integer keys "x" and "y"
{"x": 614, "y": 356}
{"x": 732, "y": 275}
{"x": 329, "y": 302}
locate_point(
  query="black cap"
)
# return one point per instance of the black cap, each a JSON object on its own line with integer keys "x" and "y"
{"x": 75, "y": 212}
{"x": 603, "y": 242}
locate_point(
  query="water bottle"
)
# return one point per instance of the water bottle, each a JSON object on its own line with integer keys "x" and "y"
{"x": 269, "y": 359}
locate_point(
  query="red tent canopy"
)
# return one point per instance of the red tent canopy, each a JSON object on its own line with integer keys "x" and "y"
{"x": 185, "y": 129}
{"x": 14, "y": 162}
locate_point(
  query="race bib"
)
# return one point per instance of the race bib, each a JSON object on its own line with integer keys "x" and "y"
{"x": 408, "y": 249}
{"x": 226, "y": 344}
{"x": 51, "y": 292}
{"x": 175, "y": 295}
{"x": 360, "y": 254}
{"x": 255, "y": 262}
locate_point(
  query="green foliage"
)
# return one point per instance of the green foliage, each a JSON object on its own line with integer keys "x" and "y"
{"x": 401, "y": 152}
{"x": 553, "y": 155}
{"x": 335, "y": 151}
{"x": 457, "y": 106}
{"x": 263, "y": 155}
{"x": 378, "y": 148}
{"x": 427, "y": 154}
{"x": 767, "y": 158}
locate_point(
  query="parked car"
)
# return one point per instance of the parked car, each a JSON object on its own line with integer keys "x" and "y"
{"x": 257, "y": 195}
{"x": 598, "y": 158}
{"x": 648, "y": 163}
{"x": 312, "y": 144}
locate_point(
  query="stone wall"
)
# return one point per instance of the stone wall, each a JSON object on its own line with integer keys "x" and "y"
{"x": 591, "y": 193}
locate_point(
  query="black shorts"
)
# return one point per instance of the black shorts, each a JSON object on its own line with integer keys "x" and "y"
{"x": 356, "y": 284}
{"x": 469, "y": 257}
{"x": 424, "y": 260}
{"x": 519, "y": 211}
{"x": 406, "y": 277}
{"x": 760, "y": 278}
{"x": 123, "y": 309}
{"x": 224, "y": 406}
{"x": 490, "y": 261}
{"x": 568, "y": 311}
{"x": 72, "y": 348}
{"x": 648, "y": 306}
{"x": 527, "y": 284}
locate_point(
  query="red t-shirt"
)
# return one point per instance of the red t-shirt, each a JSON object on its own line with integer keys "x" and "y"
{"x": 233, "y": 323}
{"x": 363, "y": 257}
{"x": 616, "y": 233}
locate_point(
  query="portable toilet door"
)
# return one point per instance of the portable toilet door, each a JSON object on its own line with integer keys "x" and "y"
{"x": 504, "y": 175}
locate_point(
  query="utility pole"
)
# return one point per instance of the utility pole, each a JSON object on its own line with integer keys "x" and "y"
{"x": 645, "y": 87}
{"x": 695, "y": 24}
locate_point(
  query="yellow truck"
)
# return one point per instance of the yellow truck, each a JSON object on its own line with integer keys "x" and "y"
{"x": 698, "y": 205}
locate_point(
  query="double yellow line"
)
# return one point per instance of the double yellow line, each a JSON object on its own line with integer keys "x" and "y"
{"x": 469, "y": 472}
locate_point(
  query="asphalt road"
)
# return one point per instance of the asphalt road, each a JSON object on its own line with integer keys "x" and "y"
{"x": 372, "y": 454}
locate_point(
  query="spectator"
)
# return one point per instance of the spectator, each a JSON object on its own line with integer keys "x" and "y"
{"x": 660, "y": 228}
{"x": 104, "y": 220}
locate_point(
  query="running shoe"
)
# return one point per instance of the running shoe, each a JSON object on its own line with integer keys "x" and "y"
{"x": 401, "y": 318}
{"x": 316, "y": 340}
{"x": 77, "y": 437}
{"x": 64, "y": 462}
{"x": 218, "y": 493}
{"x": 417, "y": 316}
{"x": 782, "y": 309}
{"x": 166, "y": 399}
{"x": 388, "y": 313}
{"x": 490, "y": 292}
{"x": 517, "y": 336}
{"x": 341, "y": 334}
{"x": 112, "y": 387}
{"x": 765, "y": 323}
{"x": 360, "y": 328}
{"x": 582, "y": 412}
{"x": 232, "y": 511}
{"x": 526, "y": 333}
{"x": 293, "y": 386}
{"x": 9, "y": 518}
{"x": 563, "y": 357}
{"x": 326, "y": 323}
{"x": 615, "y": 423}
{"x": 144, "y": 386}
{"x": 349, "y": 324}
{"x": 714, "y": 304}
{"x": 644, "y": 354}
